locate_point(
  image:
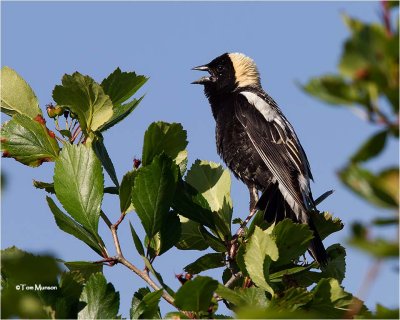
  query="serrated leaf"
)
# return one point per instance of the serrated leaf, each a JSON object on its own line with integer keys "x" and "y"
{"x": 120, "y": 86}
{"x": 86, "y": 98}
{"x": 195, "y": 295}
{"x": 371, "y": 148}
{"x": 292, "y": 240}
{"x": 169, "y": 138}
{"x": 28, "y": 141}
{"x": 189, "y": 203}
{"x": 70, "y": 226}
{"x": 330, "y": 299}
{"x": 325, "y": 223}
{"x": 213, "y": 183}
{"x": 84, "y": 268}
{"x": 101, "y": 152}
{"x": 120, "y": 113}
{"x": 47, "y": 186}
{"x": 260, "y": 251}
{"x": 191, "y": 238}
{"x": 125, "y": 190}
{"x": 154, "y": 191}
{"x": 146, "y": 306}
{"x": 291, "y": 299}
{"x": 102, "y": 301}
{"x": 78, "y": 181}
{"x": 206, "y": 262}
{"x": 17, "y": 97}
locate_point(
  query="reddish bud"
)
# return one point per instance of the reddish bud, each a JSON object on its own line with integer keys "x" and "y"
{"x": 44, "y": 160}
{"x": 184, "y": 277}
{"x": 136, "y": 163}
{"x": 51, "y": 133}
{"x": 40, "y": 119}
{"x": 2, "y": 140}
{"x": 6, "y": 154}
{"x": 361, "y": 74}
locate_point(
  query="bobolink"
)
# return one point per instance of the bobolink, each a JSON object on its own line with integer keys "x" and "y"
{"x": 258, "y": 143}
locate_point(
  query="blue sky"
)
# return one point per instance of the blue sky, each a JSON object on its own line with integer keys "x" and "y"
{"x": 290, "y": 42}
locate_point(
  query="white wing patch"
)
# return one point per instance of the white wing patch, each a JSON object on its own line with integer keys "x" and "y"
{"x": 260, "y": 104}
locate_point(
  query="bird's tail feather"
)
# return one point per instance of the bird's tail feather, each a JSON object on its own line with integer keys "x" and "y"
{"x": 276, "y": 208}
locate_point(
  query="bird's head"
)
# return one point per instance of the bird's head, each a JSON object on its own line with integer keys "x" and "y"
{"x": 229, "y": 72}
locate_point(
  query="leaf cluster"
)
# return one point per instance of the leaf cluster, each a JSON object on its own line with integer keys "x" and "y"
{"x": 368, "y": 83}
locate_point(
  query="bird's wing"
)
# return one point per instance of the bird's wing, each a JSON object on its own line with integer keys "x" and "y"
{"x": 276, "y": 142}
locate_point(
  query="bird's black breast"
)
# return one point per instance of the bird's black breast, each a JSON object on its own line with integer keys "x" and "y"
{"x": 234, "y": 145}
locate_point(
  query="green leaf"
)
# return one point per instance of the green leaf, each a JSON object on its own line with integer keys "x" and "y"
{"x": 191, "y": 237}
{"x": 291, "y": 299}
{"x": 170, "y": 232}
{"x": 335, "y": 90}
{"x": 48, "y": 187}
{"x": 20, "y": 268}
{"x": 330, "y": 299}
{"x": 17, "y": 97}
{"x": 65, "y": 302}
{"x": 102, "y": 302}
{"x": 120, "y": 113}
{"x": 154, "y": 191}
{"x": 86, "y": 98}
{"x": 137, "y": 241}
{"x": 85, "y": 268}
{"x": 120, "y": 86}
{"x": 366, "y": 185}
{"x": 230, "y": 295}
{"x": 214, "y": 184}
{"x": 28, "y": 141}
{"x": 260, "y": 250}
{"x": 380, "y": 248}
{"x": 78, "y": 181}
{"x": 383, "y": 312}
{"x": 206, "y": 262}
{"x": 70, "y": 226}
{"x": 325, "y": 223}
{"x": 292, "y": 240}
{"x": 101, "y": 152}
{"x": 254, "y": 297}
{"x": 336, "y": 267}
{"x": 169, "y": 138}
{"x": 371, "y": 148}
{"x": 189, "y": 203}
{"x": 145, "y": 304}
{"x": 388, "y": 182}
{"x": 125, "y": 190}
{"x": 214, "y": 242}
{"x": 195, "y": 295}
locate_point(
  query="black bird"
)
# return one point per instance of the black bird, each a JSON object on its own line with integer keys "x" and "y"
{"x": 258, "y": 143}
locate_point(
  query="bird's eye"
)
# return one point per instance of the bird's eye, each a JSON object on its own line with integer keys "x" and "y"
{"x": 220, "y": 68}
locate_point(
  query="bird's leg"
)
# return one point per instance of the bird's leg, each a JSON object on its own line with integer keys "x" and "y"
{"x": 234, "y": 242}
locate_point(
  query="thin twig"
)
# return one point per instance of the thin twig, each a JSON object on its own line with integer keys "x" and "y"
{"x": 232, "y": 280}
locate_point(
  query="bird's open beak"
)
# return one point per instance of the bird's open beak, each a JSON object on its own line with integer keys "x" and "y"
{"x": 204, "y": 79}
